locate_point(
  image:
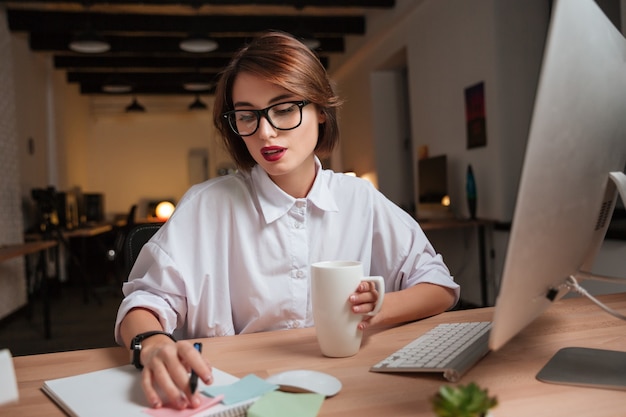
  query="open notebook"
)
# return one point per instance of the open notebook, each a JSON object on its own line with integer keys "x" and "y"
{"x": 117, "y": 392}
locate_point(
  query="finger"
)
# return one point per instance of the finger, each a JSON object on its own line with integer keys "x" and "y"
{"x": 151, "y": 394}
{"x": 365, "y": 323}
{"x": 168, "y": 374}
{"x": 364, "y": 297}
{"x": 363, "y": 308}
{"x": 196, "y": 361}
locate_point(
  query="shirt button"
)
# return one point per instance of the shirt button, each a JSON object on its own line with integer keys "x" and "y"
{"x": 300, "y": 204}
{"x": 300, "y": 274}
{"x": 297, "y": 225}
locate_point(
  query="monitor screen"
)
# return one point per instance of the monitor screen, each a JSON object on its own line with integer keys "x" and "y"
{"x": 433, "y": 179}
{"x": 566, "y": 194}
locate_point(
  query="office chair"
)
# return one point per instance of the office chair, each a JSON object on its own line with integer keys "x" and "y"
{"x": 137, "y": 236}
{"x": 114, "y": 253}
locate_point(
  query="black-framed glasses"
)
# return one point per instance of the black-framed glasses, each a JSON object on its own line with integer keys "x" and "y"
{"x": 282, "y": 116}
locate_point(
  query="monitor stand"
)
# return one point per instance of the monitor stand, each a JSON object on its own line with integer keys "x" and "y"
{"x": 587, "y": 367}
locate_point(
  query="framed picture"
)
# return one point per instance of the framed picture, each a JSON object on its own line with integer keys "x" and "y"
{"x": 475, "y": 117}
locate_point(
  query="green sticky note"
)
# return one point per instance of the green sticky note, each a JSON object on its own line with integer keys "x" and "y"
{"x": 285, "y": 404}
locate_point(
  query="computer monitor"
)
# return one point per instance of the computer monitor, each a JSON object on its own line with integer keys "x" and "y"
{"x": 433, "y": 199}
{"x": 566, "y": 194}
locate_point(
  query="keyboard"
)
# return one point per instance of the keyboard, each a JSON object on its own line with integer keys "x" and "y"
{"x": 450, "y": 348}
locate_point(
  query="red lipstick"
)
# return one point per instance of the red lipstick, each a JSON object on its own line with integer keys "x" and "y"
{"x": 273, "y": 153}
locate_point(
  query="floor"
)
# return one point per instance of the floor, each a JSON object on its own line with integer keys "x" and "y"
{"x": 75, "y": 324}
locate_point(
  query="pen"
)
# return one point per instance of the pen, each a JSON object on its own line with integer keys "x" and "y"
{"x": 193, "y": 379}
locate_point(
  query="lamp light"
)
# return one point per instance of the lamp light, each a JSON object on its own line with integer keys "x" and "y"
{"x": 164, "y": 210}
{"x": 115, "y": 84}
{"x": 89, "y": 43}
{"x": 135, "y": 106}
{"x": 197, "y": 83}
{"x": 198, "y": 44}
{"x": 197, "y": 104}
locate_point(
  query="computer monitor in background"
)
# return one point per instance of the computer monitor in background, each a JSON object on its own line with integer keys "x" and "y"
{"x": 566, "y": 193}
{"x": 433, "y": 201}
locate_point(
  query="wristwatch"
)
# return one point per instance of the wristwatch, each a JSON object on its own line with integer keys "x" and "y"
{"x": 135, "y": 345}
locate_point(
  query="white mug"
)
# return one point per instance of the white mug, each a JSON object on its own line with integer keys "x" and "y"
{"x": 332, "y": 282}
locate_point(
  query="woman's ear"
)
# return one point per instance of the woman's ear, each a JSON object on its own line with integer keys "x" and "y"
{"x": 321, "y": 116}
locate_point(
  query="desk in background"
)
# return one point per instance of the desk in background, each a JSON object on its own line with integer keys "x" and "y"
{"x": 24, "y": 249}
{"x": 482, "y": 227}
{"x": 508, "y": 373}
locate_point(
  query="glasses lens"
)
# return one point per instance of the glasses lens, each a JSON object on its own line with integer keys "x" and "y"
{"x": 243, "y": 122}
{"x": 285, "y": 116}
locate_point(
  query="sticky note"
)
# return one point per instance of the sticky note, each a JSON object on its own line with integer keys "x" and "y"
{"x": 246, "y": 388}
{"x": 285, "y": 404}
{"x": 205, "y": 404}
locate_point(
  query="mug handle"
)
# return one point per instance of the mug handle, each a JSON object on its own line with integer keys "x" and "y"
{"x": 380, "y": 286}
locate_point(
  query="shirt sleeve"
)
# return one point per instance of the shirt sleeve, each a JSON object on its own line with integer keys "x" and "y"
{"x": 402, "y": 253}
{"x": 154, "y": 284}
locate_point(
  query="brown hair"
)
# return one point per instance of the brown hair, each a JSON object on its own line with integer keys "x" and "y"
{"x": 284, "y": 61}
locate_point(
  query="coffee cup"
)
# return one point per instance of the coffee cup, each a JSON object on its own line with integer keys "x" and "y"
{"x": 336, "y": 325}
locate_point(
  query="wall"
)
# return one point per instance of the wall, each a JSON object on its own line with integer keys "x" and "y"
{"x": 141, "y": 156}
{"x": 449, "y": 46}
{"x": 12, "y": 282}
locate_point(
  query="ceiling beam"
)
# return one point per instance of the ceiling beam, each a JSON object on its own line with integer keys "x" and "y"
{"x": 69, "y": 22}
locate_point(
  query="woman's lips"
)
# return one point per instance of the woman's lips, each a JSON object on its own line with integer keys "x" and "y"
{"x": 273, "y": 153}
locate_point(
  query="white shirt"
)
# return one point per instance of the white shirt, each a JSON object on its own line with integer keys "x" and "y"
{"x": 235, "y": 255}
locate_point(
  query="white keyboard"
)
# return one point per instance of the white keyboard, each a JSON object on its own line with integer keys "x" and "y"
{"x": 450, "y": 348}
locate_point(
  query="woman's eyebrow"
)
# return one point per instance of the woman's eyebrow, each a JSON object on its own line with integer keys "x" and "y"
{"x": 272, "y": 101}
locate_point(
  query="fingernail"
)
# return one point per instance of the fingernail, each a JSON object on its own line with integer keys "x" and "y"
{"x": 182, "y": 403}
{"x": 156, "y": 404}
{"x": 353, "y": 298}
{"x": 195, "y": 401}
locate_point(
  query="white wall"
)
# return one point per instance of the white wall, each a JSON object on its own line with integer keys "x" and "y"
{"x": 12, "y": 282}
{"x": 144, "y": 156}
{"x": 450, "y": 45}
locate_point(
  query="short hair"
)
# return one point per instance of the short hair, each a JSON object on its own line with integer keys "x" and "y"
{"x": 280, "y": 59}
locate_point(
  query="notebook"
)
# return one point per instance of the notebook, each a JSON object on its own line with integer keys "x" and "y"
{"x": 117, "y": 392}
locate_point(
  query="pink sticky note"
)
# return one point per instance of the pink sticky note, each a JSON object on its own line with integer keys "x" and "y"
{"x": 205, "y": 403}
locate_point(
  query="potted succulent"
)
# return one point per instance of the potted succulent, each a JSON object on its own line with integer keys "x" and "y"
{"x": 463, "y": 401}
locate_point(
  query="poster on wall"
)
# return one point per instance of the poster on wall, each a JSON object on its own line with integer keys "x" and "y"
{"x": 475, "y": 117}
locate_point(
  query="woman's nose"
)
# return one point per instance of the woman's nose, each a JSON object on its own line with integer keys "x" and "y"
{"x": 266, "y": 130}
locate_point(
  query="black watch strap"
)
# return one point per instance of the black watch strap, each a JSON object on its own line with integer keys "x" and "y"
{"x": 135, "y": 345}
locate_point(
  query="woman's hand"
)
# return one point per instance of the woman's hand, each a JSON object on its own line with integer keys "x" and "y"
{"x": 166, "y": 371}
{"x": 363, "y": 302}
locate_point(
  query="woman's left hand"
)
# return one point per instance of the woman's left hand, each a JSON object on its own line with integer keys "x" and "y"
{"x": 363, "y": 302}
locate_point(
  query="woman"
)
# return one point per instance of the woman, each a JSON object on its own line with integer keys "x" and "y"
{"x": 235, "y": 255}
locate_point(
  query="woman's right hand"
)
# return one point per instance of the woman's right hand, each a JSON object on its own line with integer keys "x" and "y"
{"x": 165, "y": 376}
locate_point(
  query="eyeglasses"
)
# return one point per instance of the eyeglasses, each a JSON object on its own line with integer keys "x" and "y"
{"x": 282, "y": 116}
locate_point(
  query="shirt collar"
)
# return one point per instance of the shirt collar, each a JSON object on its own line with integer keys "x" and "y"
{"x": 275, "y": 203}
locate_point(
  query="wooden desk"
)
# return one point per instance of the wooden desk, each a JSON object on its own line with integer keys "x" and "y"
{"x": 80, "y": 259}
{"x": 508, "y": 373}
{"x": 28, "y": 248}
{"x": 22, "y": 249}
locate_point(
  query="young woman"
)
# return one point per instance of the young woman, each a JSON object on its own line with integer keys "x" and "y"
{"x": 235, "y": 256}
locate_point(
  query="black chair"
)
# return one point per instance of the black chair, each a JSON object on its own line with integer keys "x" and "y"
{"x": 114, "y": 253}
{"x": 136, "y": 237}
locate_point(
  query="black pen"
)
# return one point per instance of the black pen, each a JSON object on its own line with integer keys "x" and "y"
{"x": 193, "y": 379}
